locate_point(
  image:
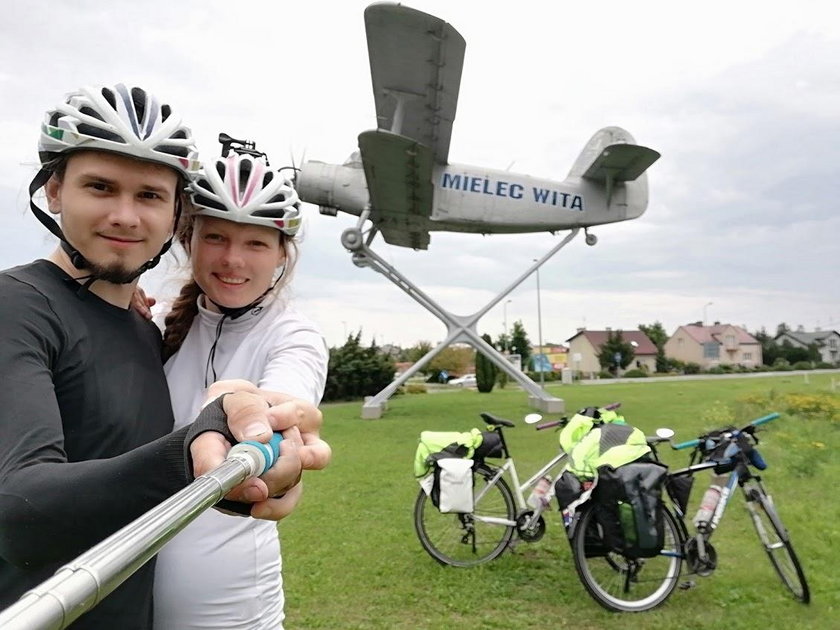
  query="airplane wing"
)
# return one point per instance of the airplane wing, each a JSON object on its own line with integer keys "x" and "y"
{"x": 398, "y": 171}
{"x": 415, "y": 65}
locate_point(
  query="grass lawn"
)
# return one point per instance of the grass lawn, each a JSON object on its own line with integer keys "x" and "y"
{"x": 352, "y": 560}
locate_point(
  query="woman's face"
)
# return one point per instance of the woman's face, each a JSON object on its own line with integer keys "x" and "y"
{"x": 234, "y": 263}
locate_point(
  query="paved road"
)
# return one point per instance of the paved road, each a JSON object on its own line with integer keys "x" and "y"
{"x": 695, "y": 377}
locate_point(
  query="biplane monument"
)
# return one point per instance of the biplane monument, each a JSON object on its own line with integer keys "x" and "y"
{"x": 401, "y": 184}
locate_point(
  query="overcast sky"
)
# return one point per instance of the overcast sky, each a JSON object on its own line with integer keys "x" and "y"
{"x": 742, "y": 99}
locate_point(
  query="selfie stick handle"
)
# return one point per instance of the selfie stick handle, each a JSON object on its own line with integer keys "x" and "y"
{"x": 81, "y": 584}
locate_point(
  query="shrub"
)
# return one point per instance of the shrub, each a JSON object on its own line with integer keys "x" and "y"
{"x": 356, "y": 371}
{"x": 485, "y": 370}
{"x": 547, "y": 376}
{"x": 635, "y": 373}
{"x": 718, "y": 369}
{"x": 802, "y": 365}
{"x": 605, "y": 374}
{"x": 691, "y": 368}
{"x": 415, "y": 388}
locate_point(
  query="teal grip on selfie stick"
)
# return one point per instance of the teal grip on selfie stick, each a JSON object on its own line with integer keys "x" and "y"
{"x": 269, "y": 452}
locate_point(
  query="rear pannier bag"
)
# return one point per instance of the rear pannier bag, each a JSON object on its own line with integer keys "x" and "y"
{"x": 474, "y": 444}
{"x": 452, "y": 490}
{"x": 629, "y": 508}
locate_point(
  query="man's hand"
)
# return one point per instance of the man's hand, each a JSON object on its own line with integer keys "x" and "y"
{"x": 314, "y": 453}
{"x": 250, "y": 418}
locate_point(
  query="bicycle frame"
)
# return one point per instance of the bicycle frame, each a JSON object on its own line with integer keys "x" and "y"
{"x": 738, "y": 476}
{"x": 519, "y": 489}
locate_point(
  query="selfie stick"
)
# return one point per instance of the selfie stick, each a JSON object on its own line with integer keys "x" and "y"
{"x": 83, "y": 583}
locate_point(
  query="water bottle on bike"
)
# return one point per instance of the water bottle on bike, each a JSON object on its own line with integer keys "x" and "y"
{"x": 540, "y": 495}
{"x": 708, "y": 503}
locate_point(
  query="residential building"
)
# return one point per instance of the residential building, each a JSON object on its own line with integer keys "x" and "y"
{"x": 710, "y": 346}
{"x": 585, "y": 345}
{"x": 827, "y": 342}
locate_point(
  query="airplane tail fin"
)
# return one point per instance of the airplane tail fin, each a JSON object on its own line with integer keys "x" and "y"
{"x": 612, "y": 156}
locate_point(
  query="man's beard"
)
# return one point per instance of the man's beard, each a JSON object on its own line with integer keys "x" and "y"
{"x": 114, "y": 273}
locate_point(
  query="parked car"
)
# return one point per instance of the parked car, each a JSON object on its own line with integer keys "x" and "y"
{"x": 467, "y": 380}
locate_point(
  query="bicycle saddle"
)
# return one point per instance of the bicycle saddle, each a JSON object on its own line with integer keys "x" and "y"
{"x": 489, "y": 418}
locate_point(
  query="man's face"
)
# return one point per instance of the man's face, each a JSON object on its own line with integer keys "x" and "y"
{"x": 117, "y": 211}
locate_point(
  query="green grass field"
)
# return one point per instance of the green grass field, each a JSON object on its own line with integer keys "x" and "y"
{"x": 352, "y": 560}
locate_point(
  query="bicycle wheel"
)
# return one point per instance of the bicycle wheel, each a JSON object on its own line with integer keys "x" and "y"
{"x": 467, "y": 540}
{"x": 620, "y": 583}
{"x": 777, "y": 543}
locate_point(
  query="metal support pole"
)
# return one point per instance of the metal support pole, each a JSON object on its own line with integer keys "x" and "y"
{"x": 460, "y": 328}
{"x": 81, "y": 584}
{"x": 539, "y": 329}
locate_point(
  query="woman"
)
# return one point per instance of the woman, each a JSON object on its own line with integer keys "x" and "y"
{"x": 231, "y": 321}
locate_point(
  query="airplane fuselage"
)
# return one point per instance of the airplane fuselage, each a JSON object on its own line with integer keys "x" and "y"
{"x": 472, "y": 199}
{"x": 484, "y": 200}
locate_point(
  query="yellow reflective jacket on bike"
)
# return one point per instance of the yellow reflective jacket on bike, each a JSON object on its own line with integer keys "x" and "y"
{"x": 457, "y": 444}
{"x": 590, "y": 445}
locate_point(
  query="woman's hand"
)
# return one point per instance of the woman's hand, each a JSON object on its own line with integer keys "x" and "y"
{"x": 142, "y": 303}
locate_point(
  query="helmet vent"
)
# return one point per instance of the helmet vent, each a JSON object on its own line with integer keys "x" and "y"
{"x": 179, "y": 151}
{"x": 220, "y": 169}
{"x": 108, "y": 95}
{"x": 165, "y": 112}
{"x": 138, "y": 97}
{"x": 267, "y": 179}
{"x": 244, "y": 173}
{"x": 98, "y": 132}
{"x": 201, "y": 200}
{"x": 89, "y": 111}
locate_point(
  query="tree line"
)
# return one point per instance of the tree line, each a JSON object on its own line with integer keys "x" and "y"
{"x": 357, "y": 370}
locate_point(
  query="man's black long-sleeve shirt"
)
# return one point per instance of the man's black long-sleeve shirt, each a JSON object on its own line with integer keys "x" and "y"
{"x": 85, "y": 443}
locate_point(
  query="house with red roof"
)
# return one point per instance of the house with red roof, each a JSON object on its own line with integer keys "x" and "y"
{"x": 585, "y": 346}
{"x": 710, "y": 346}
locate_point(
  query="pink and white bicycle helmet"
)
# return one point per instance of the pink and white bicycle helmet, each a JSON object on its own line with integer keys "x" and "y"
{"x": 129, "y": 121}
{"x": 241, "y": 187}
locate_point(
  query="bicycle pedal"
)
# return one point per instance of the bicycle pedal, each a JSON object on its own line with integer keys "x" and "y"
{"x": 684, "y": 586}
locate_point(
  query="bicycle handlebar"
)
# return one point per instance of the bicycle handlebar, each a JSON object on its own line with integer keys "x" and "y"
{"x": 563, "y": 421}
{"x": 553, "y": 423}
{"x": 757, "y": 422}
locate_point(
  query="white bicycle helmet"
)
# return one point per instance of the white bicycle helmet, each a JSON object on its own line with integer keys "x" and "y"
{"x": 242, "y": 188}
{"x": 129, "y": 121}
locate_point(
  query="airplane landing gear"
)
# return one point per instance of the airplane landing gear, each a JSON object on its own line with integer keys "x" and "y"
{"x": 351, "y": 239}
{"x": 590, "y": 239}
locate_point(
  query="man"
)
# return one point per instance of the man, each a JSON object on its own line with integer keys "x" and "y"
{"x": 85, "y": 417}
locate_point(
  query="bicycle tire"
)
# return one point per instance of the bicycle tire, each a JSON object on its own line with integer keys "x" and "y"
{"x": 464, "y": 540}
{"x": 776, "y": 541}
{"x": 623, "y": 584}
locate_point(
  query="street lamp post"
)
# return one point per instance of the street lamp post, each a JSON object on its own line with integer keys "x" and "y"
{"x": 705, "y": 306}
{"x": 539, "y": 328}
{"x": 507, "y": 341}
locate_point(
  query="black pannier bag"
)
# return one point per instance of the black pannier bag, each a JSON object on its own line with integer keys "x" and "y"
{"x": 679, "y": 489}
{"x": 491, "y": 446}
{"x": 629, "y": 508}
